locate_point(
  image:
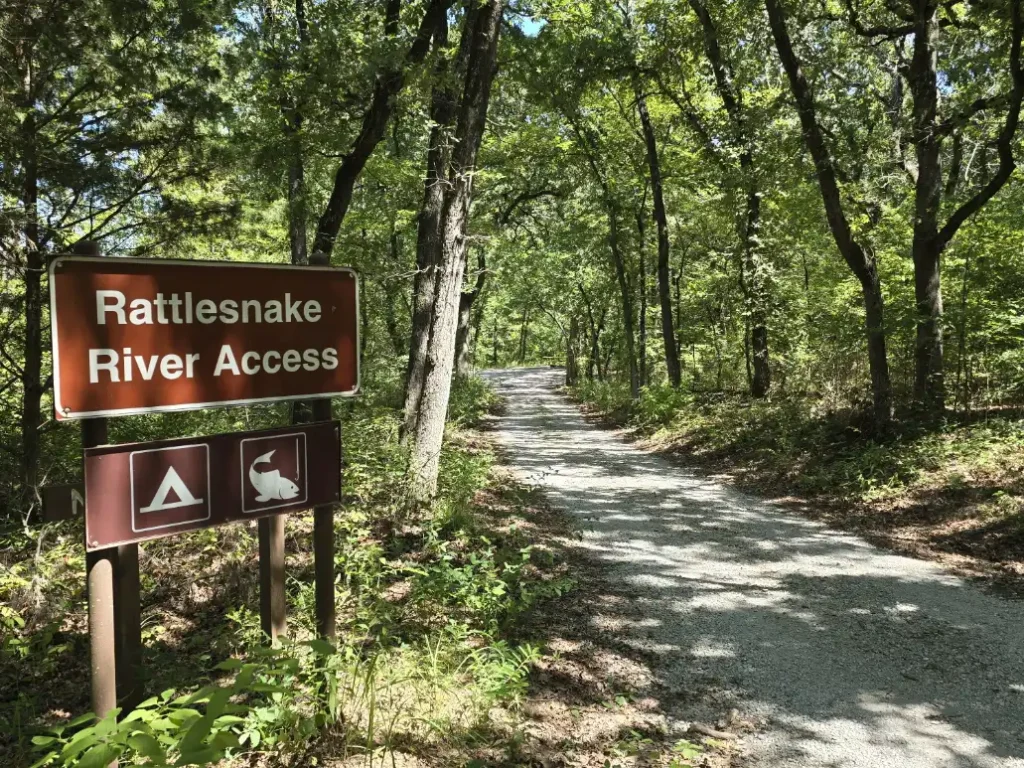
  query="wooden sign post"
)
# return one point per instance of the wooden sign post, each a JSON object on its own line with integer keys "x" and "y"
{"x": 135, "y": 336}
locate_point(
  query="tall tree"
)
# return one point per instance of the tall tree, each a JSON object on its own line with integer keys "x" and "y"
{"x": 931, "y": 236}
{"x": 742, "y": 142}
{"x": 484, "y": 27}
{"x": 93, "y": 149}
{"x": 860, "y": 260}
{"x": 443, "y": 105}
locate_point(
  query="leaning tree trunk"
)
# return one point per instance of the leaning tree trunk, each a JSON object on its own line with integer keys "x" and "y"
{"x": 664, "y": 249}
{"x": 859, "y": 260}
{"x": 433, "y": 407}
{"x": 388, "y": 85}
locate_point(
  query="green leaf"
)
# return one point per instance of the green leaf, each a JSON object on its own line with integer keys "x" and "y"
{"x": 196, "y": 734}
{"x": 322, "y": 647}
{"x": 223, "y": 720}
{"x": 88, "y": 717}
{"x": 180, "y": 716}
{"x": 218, "y": 701}
{"x": 42, "y": 741}
{"x": 99, "y": 756}
{"x": 80, "y": 742}
{"x": 148, "y": 746}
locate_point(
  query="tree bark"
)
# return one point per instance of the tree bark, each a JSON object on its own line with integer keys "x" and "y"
{"x": 524, "y": 328}
{"x": 858, "y": 259}
{"x": 433, "y": 405}
{"x": 930, "y": 241}
{"x": 752, "y": 281}
{"x": 375, "y": 120}
{"x": 443, "y": 104}
{"x": 572, "y": 368}
{"x": 664, "y": 244}
{"x": 297, "y": 210}
{"x": 31, "y": 375}
{"x": 466, "y": 302}
{"x": 642, "y": 257}
{"x": 929, "y": 389}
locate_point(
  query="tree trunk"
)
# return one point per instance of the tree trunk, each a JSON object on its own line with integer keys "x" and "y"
{"x": 397, "y": 339}
{"x": 626, "y": 292}
{"x": 524, "y": 327}
{"x": 754, "y": 292}
{"x": 433, "y": 406}
{"x": 588, "y": 144}
{"x": 664, "y": 246}
{"x": 466, "y": 302}
{"x": 572, "y": 370}
{"x": 752, "y": 280}
{"x": 296, "y": 168}
{"x": 31, "y": 377}
{"x": 494, "y": 345}
{"x": 643, "y": 298}
{"x": 860, "y": 261}
{"x": 929, "y": 389}
{"x": 428, "y": 236}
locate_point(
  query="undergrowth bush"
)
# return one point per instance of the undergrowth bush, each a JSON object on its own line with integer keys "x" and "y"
{"x": 420, "y": 656}
{"x": 795, "y": 442}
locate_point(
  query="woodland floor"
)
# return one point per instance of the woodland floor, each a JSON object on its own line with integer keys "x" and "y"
{"x": 822, "y": 649}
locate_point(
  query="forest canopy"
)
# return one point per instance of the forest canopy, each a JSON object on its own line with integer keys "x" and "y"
{"x": 780, "y": 199}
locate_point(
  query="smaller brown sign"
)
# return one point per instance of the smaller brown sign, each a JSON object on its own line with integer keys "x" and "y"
{"x": 146, "y": 491}
{"x": 63, "y": 502}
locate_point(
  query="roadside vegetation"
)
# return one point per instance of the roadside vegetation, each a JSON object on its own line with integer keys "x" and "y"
{"x": 951, "y": 491}
{"x": 423, "y": 664}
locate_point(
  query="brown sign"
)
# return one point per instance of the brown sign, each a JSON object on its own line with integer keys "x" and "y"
{"x": 146, "y": 491}
{"x": 145, "y": 335}
{"x": 62, "y": 502}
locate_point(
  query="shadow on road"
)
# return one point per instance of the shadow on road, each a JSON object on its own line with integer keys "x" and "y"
{"x": 853, "y": 656}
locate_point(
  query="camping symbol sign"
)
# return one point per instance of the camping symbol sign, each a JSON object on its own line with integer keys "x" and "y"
{"x": 139, "y": 492}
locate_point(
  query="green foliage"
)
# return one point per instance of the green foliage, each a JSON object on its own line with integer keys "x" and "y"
{"x": 792, "y": 442}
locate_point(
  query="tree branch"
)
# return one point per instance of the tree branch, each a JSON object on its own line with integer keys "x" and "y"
{"x": 1004, "y": 143}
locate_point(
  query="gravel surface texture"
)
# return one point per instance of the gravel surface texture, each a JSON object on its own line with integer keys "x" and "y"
{"x": 845, "y": 655}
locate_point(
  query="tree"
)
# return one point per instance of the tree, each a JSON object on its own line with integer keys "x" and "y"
{"x": 92, "y": 147}
{"x": 483, "y": 26}
{"x": 860, "y": 260}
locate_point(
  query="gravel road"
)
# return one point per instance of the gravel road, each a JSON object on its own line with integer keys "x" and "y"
{"x": 850, "y": 656}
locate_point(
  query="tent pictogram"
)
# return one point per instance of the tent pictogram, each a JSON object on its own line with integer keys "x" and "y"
{"x": 172, "y": 483}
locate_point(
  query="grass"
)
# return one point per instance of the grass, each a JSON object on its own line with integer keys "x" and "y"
{"x": 424, "y": 663}
{"x": 951, "y": 491}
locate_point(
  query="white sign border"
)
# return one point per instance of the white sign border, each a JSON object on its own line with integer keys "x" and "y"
{"x": 69, "y": 415}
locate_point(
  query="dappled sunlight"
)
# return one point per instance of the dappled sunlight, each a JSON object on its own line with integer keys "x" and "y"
{"x": 850, "y": 655}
